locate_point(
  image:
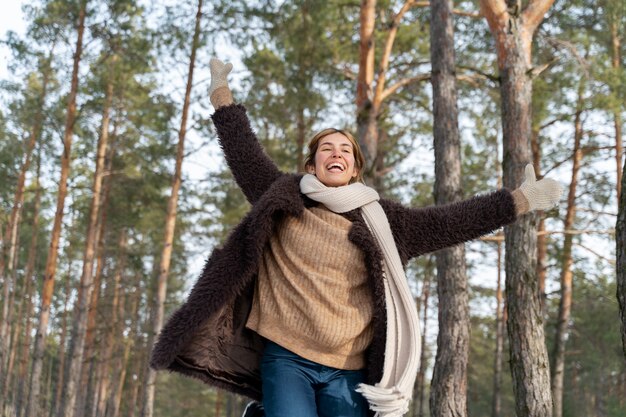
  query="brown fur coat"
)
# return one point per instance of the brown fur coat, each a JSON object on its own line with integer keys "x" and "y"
{"x": 206, "y": 337}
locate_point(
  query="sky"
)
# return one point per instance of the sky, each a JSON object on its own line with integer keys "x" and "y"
{"x": 10, "y": 19}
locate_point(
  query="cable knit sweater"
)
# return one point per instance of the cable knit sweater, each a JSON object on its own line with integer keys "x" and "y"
{"x": 312, "y": 295}
{"x": 206, "y": 337}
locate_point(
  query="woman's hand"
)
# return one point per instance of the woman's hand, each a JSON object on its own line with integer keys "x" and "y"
{"x": 542, "y": 194}
{"x": 219, "y": 92}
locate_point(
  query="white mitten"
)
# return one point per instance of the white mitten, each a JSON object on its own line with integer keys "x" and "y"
{"x": 219, "y": 92}
{"x": 542, "y": 194}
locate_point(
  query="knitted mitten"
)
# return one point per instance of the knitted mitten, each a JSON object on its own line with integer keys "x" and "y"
{"x": 539, "y": 195}
{"x": 219, "y": 92}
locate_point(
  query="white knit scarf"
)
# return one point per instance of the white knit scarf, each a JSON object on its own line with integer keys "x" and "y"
{"x": 390, "y": 397}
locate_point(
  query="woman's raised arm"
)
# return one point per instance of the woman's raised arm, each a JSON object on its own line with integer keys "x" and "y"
{"x": 421, "y": 230}
{"x": 253, "y": 170}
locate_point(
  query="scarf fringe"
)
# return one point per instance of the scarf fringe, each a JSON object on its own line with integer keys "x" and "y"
{"x": 385, "y": 402}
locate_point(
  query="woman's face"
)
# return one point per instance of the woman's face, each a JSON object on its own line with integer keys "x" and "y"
{"x": 334, "y": 161}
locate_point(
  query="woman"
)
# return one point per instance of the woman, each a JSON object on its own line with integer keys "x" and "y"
{"x": 306, "y": 305}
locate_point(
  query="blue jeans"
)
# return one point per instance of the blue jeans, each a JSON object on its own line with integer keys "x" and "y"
{"x": 297, "y": 387}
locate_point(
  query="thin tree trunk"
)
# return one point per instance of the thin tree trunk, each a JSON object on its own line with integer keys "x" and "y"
{"x": 62, "y": 340}
{"x": 513, "y": 29}
{"x": 497, "y": 365}
{"x": 12, "y": 225}
{"x": 116, "y": 400}
{"x": 9, "y": 296}
{"x": 85, "y": 400}
{"x": 617, "y": 115}
{"x": 102, "y": 224}
{"x": 15, "y": 339}
{"x": 565, "y": 304}
{"x": 218, "y": 403}
{"x": 448, "y": 394}
{"x": 500, "y": 320}
{"x": 421, "y": 375}
{"x": 300, "y": 139}
{"x": 29, "y": 277}
{"x": 11, "y": 336}
{"x": 542, "y": 241}
{"x": 137, "y": 394}
{"x": 366, "y": 133}
{"x": 51, "y": 261}
{"x": 170, "y": 224}
{"x": 109, "y": 342}
{"x": 79, "y": 330}
{"x": 113, "y": 409}
{"x": 620, "y": 238}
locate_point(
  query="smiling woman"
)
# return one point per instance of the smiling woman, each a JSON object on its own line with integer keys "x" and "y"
{"x": 335, "y": 158}
{"x": 306, "y": 306}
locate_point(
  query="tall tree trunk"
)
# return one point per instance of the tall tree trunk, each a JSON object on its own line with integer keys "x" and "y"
{"x": 15, "y": 338}
{"x": 496, "y": 406}
{"x": 565, "y": 304}
{"x": 60, "y": 378}
{"x": 513, "y": 29}
{"x": 366, "y": 130}
{"x": 218, "y": 403}
{"x": 51, "y": 261}
{"x": 620, "y": 244}
{"x": 370, "y": 97}
{"x": 419, "y": 407}
{"x": 617, "y": 115}
{"x": 116, "y": 399}
{"x": 448, "y": 395}
{"x": 170, "y": 223}
{"x": 11, "y": 234}
{"x": 138, "y": 391}
{"x": 79, "y": 330}
{"x": 29, "y": 277}
{"x": 300, "y": 139}
{"x": 11, "y": 336}
{"x": 109, "y": 342}
{"x": 542, "y": 241}
{"x": 85, "y": 399}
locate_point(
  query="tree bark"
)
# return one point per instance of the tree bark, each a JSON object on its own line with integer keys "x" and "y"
{"x": 421, "y": 375}
{"x": 116, "y": 399}
{"x": 496, "y": 406}
{"x": 620, "y": 238}
{"x": 51, "y": 260}
{"x": 565, "y": 303}
{"x": 10, "y": 337}
{"x": 448, "y": 396}
{"x": 512, "y": 29}
{"x": 29, "y": 277}
{"x": 170, "y": 223}
{"x": 218, "y": 403}
{"x": 62, "y": 340}
{"x": 542, "y": 241}
{"x": 366, "y": 134}
{"x": 300, "y": 139}
{"x": 79, "y": 330}
{"x": 11, "y": 233}
{"x": 370, "y": 97}
{"x": 86, "y": 400}
{"x": 109, "y": 342}
{"x": 616, "y": 60}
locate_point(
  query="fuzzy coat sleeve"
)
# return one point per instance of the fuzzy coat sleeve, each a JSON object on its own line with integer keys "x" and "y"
{"x": 253, "y": 170}
{"x": 421, "y": 230}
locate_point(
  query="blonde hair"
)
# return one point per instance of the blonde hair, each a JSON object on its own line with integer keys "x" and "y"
{"x": 359, "y": 159}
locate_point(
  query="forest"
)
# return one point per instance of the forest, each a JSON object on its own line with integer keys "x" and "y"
{"x": 114, "y": 190}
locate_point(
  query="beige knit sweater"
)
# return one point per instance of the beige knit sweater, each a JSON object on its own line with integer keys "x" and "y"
{"x": 312, "y": 297}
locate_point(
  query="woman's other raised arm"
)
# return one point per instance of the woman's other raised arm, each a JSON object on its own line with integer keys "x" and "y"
{"x": 253, "y": 170}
